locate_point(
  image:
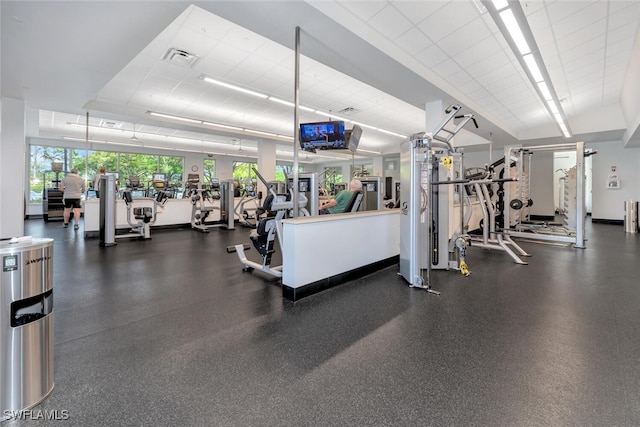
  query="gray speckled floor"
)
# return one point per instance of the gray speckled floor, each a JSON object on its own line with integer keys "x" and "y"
{"x": 171, "y": 332}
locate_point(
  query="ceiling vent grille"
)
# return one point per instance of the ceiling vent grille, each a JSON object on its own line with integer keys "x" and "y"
{"x": 180, "y": 57}
{"x": 348, "y": 111}
{"x": 110, "y": 124}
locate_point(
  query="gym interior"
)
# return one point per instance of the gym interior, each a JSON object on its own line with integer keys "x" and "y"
{"x": 481, "y": 269}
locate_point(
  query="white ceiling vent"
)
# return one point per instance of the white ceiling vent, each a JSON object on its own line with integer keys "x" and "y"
{"x": 348, "y": 111}
{"x": 180, "y": 57}
{"x": 109, "y": 124}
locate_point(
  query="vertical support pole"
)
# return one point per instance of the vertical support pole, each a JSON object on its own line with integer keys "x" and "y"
{"x": 296, "y": 122}
{"x": 580, "y": 195}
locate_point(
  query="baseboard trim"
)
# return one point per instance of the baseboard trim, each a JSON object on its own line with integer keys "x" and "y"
{"x": 295, "y": 294}
{"x": 607, "y": 221}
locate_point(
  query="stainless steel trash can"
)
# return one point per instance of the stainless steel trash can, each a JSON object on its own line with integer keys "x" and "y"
{"x": 26, "y": 324}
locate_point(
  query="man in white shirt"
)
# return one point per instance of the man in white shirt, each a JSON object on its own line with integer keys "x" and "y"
{"x": 73, "y": 187}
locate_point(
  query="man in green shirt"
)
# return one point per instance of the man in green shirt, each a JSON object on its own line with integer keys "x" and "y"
{"x": 338, "y": 203}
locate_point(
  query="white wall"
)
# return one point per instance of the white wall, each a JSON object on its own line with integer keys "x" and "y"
{"x": 12, "y": 167}
{"x": 607, "y": 203}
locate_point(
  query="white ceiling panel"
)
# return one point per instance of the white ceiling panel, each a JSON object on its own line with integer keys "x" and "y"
{"x": 586, "y": 46}
{"x": 584, "y": 36}
{"x": 364, "y": 10}
{"x": 413, "y": 41}
{"x": 390, "y": 23}
{"x": 582, "y": 18}
{"x": 559, "y": 10}
{"x": 418, "y": 11}
{"x": 448, "y": 19}
{"x": 431, "y": 56}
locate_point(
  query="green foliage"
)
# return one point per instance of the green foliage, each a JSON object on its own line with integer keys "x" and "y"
{"x": 88, "y": 163}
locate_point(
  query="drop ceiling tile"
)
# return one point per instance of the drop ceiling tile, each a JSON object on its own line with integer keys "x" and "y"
{"x": 390, "y": 23}
{"x": 170, "y": 71}
{"x": 531, "y": 7}
{"x": 445, "y": 68}
{"x": 628, "y": 31}
{"x": 450, "y": 18}
{"x": 364, "y": 10}
{"x": 413, "y": 41}
{"x": 460, "y": 78}
{"x": 228, "y": 53}
{"x": 209, "y": 25}
{"x": 213, "y": 67}
{"x": 478, "y": 53}
{"x": 629, "y": 15}
{"x": 188, "y": 91}
{"x": 474, "y": 32}
{"x": 617, "y": 6}
{"x": 431, "y": 56}
{"x": 585, "y": 52}
{"x": 243, "y": 39}
{"x": 586, "y": 35}
{"x": 560, "y": 10}
{"x": 582, "y": 18}
{"x": 539, "y": 22}
{"x": 418, "y": 11}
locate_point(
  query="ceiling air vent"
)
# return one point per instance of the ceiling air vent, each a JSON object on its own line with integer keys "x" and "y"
{"x": 180, "y": 57}
{"x": 347, "y": 111}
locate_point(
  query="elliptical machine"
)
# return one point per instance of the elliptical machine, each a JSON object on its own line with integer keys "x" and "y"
{"x": 142, "y": 218}
{"x": 263, "y": 236}
{"x": 249, "y": 215}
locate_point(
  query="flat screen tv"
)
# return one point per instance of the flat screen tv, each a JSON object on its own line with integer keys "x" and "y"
{"x": 322, "y": 136}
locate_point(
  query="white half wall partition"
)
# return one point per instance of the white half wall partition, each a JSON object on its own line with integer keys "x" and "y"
{"x": 322, "y": 251}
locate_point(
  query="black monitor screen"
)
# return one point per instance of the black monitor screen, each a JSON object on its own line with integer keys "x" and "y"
{"x": 322, "y": 136}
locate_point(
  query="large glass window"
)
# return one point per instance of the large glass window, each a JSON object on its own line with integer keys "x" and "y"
{"x": 88, "y": 163}
{"x": 329, "y": 177}
{"x": 243, "y": 172}
{"x": 209, "y": 170}
{"x": 284, "y": 171}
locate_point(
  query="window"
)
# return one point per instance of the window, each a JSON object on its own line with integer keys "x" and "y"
{"x": 88, "y": 163}
{"x": 283, "y": 171}
{"x": 243, "y": 172}
{"x": 209, "y": 170}
{"x": 329, "y": 177}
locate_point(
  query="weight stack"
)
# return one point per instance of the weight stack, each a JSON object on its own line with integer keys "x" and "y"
{"x": 630, "y": 216}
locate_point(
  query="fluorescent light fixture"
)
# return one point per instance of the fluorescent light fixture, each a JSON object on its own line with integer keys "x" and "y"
{"x": 514, "y": 30}
{"x": 303, "y": 108}
{"x": 500, "y": 4}
{"x": 281, "y": 101}
{"x": 259, "y": 132}
{"x": 368, "y": 151}
{"x": 558, "y": 118}
{"x": 546, "y": 94}
{"x": 533, "y": 67}
{"x": 287, "y": 137}
{"x": 364, "y": 125}
{"x": 222, "y": 126}
{"x": 552, "y": 106}
{"x": 391, "y": 133}
{"x": 332, "y": 116}
{"x": 170, "y": 116}
{"x": 70, "y": 138}
{"x": 234, "y": 87}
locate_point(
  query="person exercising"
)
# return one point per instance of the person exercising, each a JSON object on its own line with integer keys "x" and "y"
{"x": 338, "y": 203}
{"x": 73, "y": 187}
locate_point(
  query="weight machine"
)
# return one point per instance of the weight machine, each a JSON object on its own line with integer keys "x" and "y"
{"x": 203, "y": 204}
{"x": 277, "y": 206}
{"x": 431, "y": 170}
{"x": 249, "y": 213}
{"x": 143, "y": 217}
{"x": 517, "y": 221}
